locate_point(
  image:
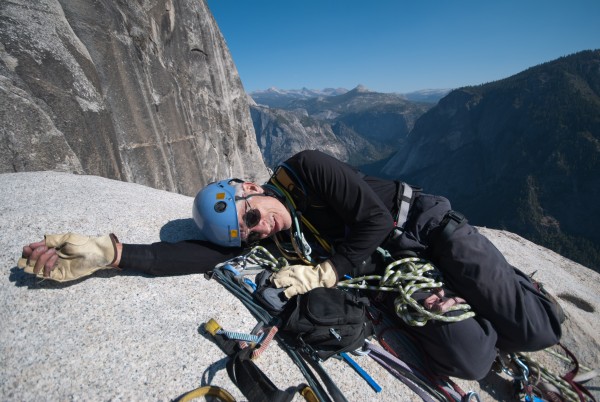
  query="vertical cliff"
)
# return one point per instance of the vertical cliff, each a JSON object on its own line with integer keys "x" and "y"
{"x": 140, "y": 91}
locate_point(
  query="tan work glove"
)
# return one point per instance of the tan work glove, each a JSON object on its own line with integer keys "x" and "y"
{"x": 299, "y": 279}
{"x": 78, "y": 256}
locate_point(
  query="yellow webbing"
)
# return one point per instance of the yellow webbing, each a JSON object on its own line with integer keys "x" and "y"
{"x": 208, "y": 390}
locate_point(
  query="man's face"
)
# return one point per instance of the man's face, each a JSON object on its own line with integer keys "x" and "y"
{"x": 267, "y": 215}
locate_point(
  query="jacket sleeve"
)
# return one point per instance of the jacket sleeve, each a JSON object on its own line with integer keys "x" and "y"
{"x": 180, "y": 258}
{"x": 368, "y": 221}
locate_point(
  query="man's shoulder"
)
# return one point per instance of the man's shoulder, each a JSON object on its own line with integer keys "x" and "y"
{"x": 312, "y": 158}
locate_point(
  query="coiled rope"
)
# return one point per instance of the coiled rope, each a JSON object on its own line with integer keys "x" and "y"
{"x": 407, "y": 276}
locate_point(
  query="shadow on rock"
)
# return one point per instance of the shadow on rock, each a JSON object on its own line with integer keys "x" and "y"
{"x": 180, "y": 229}
{"x": 23, "y": 279}
{"x": 501, "y": 389}
{"x": 578, "y": 302}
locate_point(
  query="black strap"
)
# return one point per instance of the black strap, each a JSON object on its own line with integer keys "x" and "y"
{"x": 253, "y": 383}
{"x": 332, "y": 388}
{"x": 451, "y": 221}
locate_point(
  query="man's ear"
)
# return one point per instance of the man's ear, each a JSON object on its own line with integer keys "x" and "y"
{"x": 251, "y": 188}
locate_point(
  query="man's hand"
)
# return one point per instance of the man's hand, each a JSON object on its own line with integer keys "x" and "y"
{"x": 69, "y": 256}
{"x": 439, "y": 303}
{"x": 299, "y": 279}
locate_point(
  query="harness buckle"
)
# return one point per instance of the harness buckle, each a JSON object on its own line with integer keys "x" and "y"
{"x": 451, "y": 221}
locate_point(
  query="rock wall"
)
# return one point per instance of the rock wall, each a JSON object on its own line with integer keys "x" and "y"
{"x": 144, "y": 92}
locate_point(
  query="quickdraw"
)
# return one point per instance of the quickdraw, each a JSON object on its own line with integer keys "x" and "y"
{"x": 407, "y": 276}
{"x": 286, "y": 183}
{"x": 532, "y": 379}
{"x": 255, "y": 260}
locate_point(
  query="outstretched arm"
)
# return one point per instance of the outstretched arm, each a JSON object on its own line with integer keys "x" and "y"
{"x": 180, "y": 258}
{"x": 68, "y": 257}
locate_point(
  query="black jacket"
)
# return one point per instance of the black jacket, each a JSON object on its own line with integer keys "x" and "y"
{"x": 356, "y": 216}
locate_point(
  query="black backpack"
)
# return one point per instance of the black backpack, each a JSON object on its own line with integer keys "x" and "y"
{"x": 327, "y": 321}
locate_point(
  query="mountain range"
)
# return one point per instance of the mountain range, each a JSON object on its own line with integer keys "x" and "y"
{"x": 520, "y": 154}
{"x": 358, "y": 126}
{"x": 281, "y": 98}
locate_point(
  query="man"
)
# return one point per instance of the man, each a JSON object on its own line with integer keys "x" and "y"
{"x": 333, "y": 219}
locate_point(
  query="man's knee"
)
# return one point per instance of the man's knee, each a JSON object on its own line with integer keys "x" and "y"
{"x": 464, "y": 349}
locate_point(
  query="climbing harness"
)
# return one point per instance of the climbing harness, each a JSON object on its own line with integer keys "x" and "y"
{"x": 408, "y": 276}
{"x": 405, "y": 276}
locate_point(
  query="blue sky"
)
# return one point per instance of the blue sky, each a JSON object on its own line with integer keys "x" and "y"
{"x": 399, "y": 45}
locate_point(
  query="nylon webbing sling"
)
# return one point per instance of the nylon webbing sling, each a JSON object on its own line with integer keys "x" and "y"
{"x": 405, "y": 195}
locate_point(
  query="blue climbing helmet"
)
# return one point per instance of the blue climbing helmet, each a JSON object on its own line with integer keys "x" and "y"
{"x": 215, "y": 213}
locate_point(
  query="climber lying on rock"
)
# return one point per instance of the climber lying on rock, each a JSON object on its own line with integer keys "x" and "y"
{"x": 333, "y": 219}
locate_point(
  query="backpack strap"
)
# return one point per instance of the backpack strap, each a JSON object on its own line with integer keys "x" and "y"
{"x": 297, "y": 198}
{"x": 292, "y": 186}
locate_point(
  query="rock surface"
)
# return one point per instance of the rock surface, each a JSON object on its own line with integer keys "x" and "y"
{"x": 144, "y": 92}
{"x": 122, "y": 336}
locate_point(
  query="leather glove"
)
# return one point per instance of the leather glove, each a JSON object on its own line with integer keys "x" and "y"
{"x": 299, "y": 279}
{"x": 78, "y": 256}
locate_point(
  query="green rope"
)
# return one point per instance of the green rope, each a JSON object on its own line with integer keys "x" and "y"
{"x": 407, "y": 276}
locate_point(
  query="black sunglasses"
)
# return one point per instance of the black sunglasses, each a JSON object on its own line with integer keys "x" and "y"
{"x": 251, "y": 218}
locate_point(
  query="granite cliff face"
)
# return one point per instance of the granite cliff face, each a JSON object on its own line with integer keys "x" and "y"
{"x": 144, "y": 92}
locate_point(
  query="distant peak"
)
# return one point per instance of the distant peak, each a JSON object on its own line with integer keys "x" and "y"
{"x": 361, "y": 88}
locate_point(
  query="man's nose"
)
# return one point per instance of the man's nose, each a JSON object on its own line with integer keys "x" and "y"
{"x": 262, "y": 226}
